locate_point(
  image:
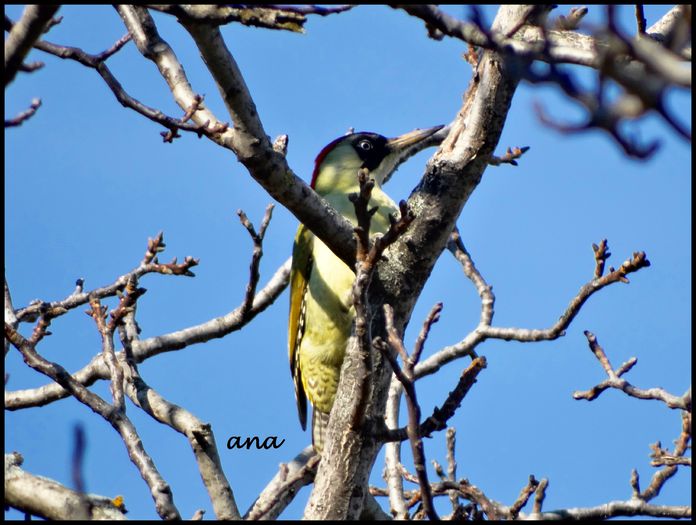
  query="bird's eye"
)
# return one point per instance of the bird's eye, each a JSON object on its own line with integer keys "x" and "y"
{"x": 365, "y": 145}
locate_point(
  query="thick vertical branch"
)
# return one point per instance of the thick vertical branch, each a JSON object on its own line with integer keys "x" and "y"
{"x": 450, "y": 178}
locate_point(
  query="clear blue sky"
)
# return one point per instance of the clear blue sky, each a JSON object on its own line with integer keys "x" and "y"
{"x": 87, "y": 182}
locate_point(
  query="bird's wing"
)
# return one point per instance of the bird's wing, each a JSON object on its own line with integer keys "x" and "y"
{"x": 299, "y": 278}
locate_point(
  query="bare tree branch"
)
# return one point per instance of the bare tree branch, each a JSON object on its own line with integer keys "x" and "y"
{"x": 287, "y": 18}
{"x": 438, "y": 420}
{"x": 450, "y": 178}
{"x": 485, "y": 330}
{"x": 448, "y": 25}
{"x": 562, "y": 45}
{"x": 407, "y": 379}
{"x": 452, "y": 466}
{"x": 392, "y": 457}
{"x": 372, "y": 510}
{"x": 640, "y": 19}
{"x": 615, "y": 509}
{"x": 466, "y": 490}
{"x": 494, "y": 510}
{"x": 674, "y": 30}
{"x": 159, "y": 489}
{"x": 662, "y": 457}
{"x": 149, "y": 264}
{"x": 10, "y": 316}
{"x": 41, "y": 496}
{"x": 257, "y": 239}
{"x": 572, "y": 21}
{"x": 276, "y": 497}
{"x": 97, "y": 62}
{"x": 680, "y": 448}
{"x": 78, "y": 458}
{"x": 539, "y": 496}
{"x": 278, "y": 493}
{"x": 248, "y": 139}
{"x": 147, "y": 348}
{"x": 614, "y": 381}
{"x": 24, "y": 115}
{"x": 526, "y": 492}
{"x": 510, "y": 157}
{"x": 313, "y": 9}
{"x": 24, "y": 33}
{"x": 98, "y": 313}
{"x": 200, "y": 435}
{"x": 642, "y": 66}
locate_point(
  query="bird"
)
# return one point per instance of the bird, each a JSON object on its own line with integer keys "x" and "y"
{"x": 321, "y": 309}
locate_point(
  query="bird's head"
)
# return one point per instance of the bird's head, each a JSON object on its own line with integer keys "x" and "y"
{"x": 337, "y": 165}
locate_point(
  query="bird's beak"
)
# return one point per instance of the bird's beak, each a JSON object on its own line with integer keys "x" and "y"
{"x": 411, "y": 138}
{"x": 405, "y": 146}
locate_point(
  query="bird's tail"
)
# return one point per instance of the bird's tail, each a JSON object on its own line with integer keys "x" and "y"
{"x": 320, "y": 421}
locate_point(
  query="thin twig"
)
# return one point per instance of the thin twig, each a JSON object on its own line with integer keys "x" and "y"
{"x": 485, "y": 330}
{"x": 10, "y": 317}
{"x": 147, "y": 348}
{"x": 98, "y": 63}
{"x": 257, "y": 239}
{"x": 440, "y": 416}
{"x": 364, "y": 270}
{"x": 601, "y": 254}
{"x": 368, "y": 253}
{"x": 662, "y": 457}
{"x": 540, "y": 495}
{"x": 614, "y": 380}
{"x": 635, "y": 484}
{"x": 24, "y": 115}
{"x": 432, "y": 318}
{"x": 77, "y": 467}
{"x": 640, "y": 19}
{"x": 510, "y": 157}
{"x": 407, "y": 379}
{"x": 452, "y": 466}
{"x": 98, "y": 313}
{"x": 680, "y": 448}
{"x": 150, "y": 264}
{"x": 572, "y": 21}
{"x": 524, "y": 496}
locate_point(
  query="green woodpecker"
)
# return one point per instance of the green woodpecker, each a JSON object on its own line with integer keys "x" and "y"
{"x": 321, "y": 311}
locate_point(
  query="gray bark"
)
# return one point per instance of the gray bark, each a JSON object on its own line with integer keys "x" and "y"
{"x": 450, "y": 178}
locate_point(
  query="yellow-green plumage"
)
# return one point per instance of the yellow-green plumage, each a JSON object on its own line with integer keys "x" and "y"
{"x": 321, "y": 311}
